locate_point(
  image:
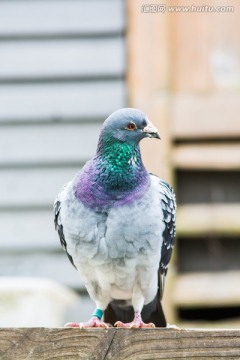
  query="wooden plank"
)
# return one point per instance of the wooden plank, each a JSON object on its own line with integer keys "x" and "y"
{"x": 220, "y": 324}
{"x": 33, "y": 187}
{"x": 208, "y": 218}
{"x": 26, "y": 230}
{"x": 48, "y": 144}
{"x": 206, "y": 116}
{"x": 212, "y": 156}
{"x": 44, "y": 263}
{"x": 60, "y": 101}
{"x": 31, "y": 59}
{"x": 210, "y": 289}
{"x": 44, "y": 343}
{"x": 54, "y": 343}
{"x": 174, "y": 344}
{"x": 60, "y": 17}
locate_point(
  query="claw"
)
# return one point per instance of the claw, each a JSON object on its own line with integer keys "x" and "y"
{"x": 94, "y": 322}
{"x": 71, "y": 325}
{"x": 135, "y": 324}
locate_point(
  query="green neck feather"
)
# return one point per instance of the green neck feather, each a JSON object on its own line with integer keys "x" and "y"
{"x": 119, "y": 166}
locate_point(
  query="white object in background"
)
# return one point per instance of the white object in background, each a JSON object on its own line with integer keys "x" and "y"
{"x": 30, "y": 302}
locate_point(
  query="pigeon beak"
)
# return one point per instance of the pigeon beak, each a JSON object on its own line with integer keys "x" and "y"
{"x": 151, "y": 131}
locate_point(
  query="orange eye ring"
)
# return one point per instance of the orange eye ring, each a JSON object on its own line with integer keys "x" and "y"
{"x": 131, "y": 126}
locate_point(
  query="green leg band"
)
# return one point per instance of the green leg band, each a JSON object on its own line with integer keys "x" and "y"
{"x": 98, "y": 313}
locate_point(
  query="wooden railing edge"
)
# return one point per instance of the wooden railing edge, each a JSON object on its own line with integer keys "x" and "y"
{"x": 112, "y": 343}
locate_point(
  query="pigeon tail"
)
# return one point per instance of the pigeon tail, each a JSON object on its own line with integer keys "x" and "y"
{"x": 120, "y": 310}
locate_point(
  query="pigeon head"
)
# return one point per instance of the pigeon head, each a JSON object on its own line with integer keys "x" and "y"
{"x": 116, "y": 175}
{"x": 127, "y": 125}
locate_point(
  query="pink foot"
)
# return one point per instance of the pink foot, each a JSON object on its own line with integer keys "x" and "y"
{"x": 94, "y": 322}
{"x": 135, "y": 324}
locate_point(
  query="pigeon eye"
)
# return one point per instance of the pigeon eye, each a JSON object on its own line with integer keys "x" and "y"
{"x": 131, "y": 126}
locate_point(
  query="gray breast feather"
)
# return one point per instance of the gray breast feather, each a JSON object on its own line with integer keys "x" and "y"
{"x": 133, "y": 236}
{"x": 121, "y": 231}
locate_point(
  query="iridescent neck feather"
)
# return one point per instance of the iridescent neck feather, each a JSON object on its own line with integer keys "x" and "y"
{"x": 114, "y": 177}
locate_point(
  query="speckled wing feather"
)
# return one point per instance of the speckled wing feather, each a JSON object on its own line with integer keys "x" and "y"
{"x": 58, "y": 223}
{"x": 168, "y": 203}
{"x": 168, "y": 206}
{"x": 169, "y": 216}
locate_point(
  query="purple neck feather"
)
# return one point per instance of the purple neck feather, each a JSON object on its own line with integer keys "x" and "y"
{"x": 114, "y": 178}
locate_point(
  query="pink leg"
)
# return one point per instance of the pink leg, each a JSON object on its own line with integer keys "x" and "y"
{"x": 94, "y": 322}
{"x": 136, "y": 323}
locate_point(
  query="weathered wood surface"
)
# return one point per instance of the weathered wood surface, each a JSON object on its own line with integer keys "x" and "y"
{"x": 214, "y": 289}
{"x": 222, "y": 156}
{"x": 202, "y": 219}
{"x": 43, "y": 343}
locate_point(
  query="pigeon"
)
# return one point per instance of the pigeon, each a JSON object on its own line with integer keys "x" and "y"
{"x": 116, "y": 222}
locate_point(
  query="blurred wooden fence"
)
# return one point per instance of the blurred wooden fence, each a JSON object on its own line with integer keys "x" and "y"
{"x": 62, "y": 72}
{"x": 184, "y": 72}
